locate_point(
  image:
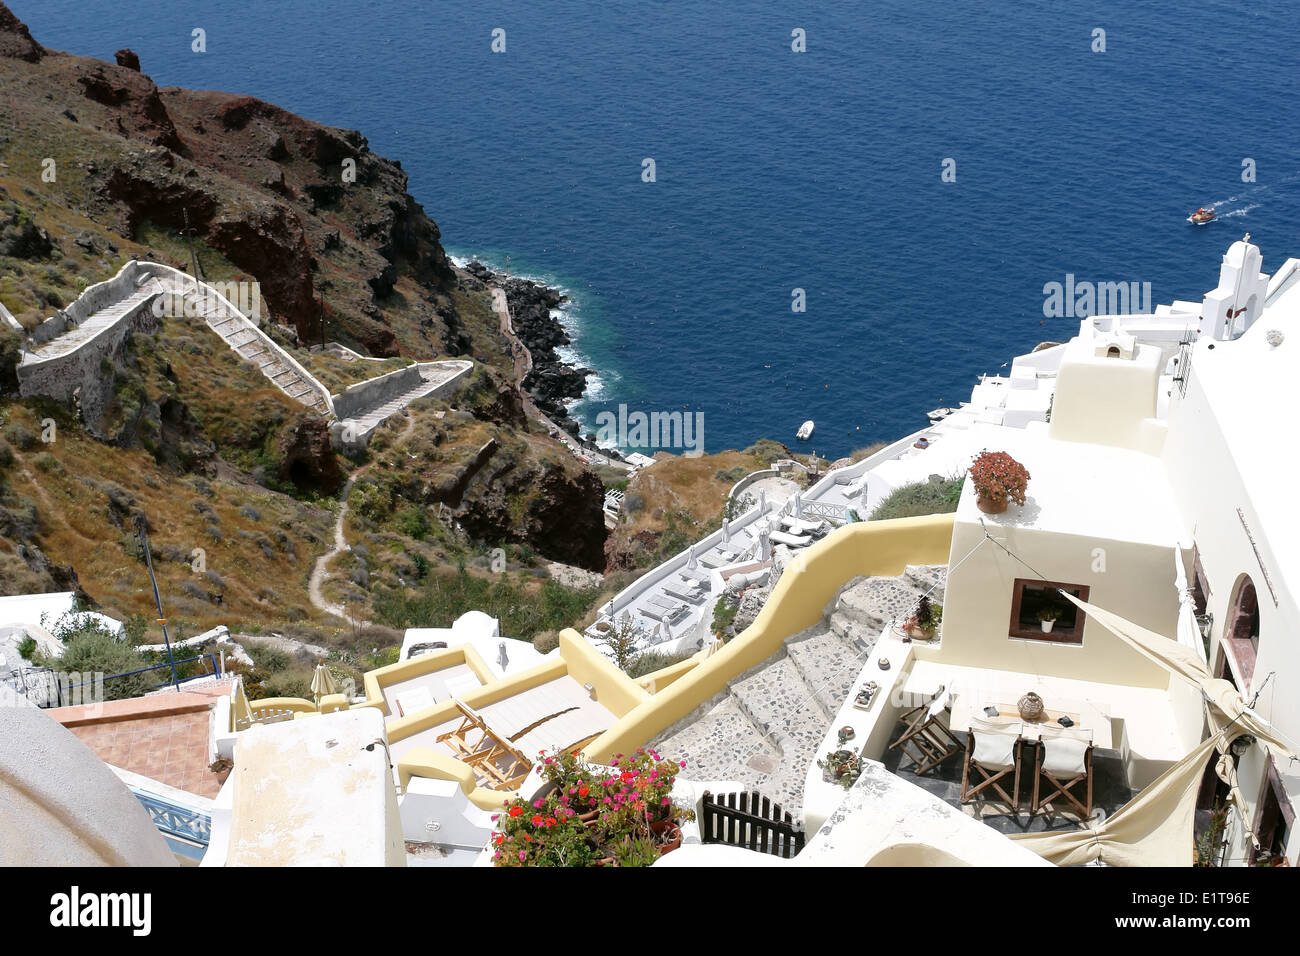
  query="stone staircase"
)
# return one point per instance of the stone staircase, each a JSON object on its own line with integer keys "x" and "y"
{"x": 78, "y": 335}
{"x": 252, "y": 344}
{"x": 765, "y": 730}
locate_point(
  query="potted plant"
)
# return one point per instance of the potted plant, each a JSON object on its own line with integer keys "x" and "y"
{"x": 999, "y": 480}
{"x": 843, "y": 766}
{"x": 1047, "y": 616}
{"x": 222, "y": 767}
{"x": 924, "y": 623}
{"x": 619, "y": 815}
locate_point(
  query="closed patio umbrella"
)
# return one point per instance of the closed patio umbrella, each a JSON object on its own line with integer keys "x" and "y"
{"x": 322, "y": 683}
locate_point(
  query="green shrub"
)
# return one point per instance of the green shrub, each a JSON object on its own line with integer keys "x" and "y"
{"x": 651, "y": 661}
{"x": 19, "y": 435}
{"x": 91, "y": 650}
{"x": 268, "y": 657}
{"x": 936, "y": 496}
{"x": 524, "y": 610}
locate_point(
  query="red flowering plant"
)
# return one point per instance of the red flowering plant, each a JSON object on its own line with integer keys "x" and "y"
{"x": 592, "y": 813}
{"x": 998, "y": 478}
{"x": 541, "y": 833}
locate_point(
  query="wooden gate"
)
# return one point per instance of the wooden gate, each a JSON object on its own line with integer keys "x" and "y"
{"x": 751, "y": 821}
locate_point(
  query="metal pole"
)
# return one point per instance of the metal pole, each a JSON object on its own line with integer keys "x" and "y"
{"x": 194, "y": 262}
{"x": 144, "y": 540}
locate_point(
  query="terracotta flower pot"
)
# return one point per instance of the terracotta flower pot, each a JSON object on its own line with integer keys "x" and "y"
{"x": 589, "y": 818}
{"x": 989, "y": 506}
{"x": 670, "y": 840}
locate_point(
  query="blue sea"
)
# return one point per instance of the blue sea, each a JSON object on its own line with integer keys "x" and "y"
{"x": 778, "y": 170}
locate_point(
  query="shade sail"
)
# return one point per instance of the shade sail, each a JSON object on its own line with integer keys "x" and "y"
{"x": 1155, "y": 827}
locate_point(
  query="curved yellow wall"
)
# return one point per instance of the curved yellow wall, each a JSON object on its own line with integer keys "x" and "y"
{"x": 807, "y": 585}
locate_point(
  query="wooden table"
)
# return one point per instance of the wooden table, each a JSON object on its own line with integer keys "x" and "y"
{"x": 1085, "y": 714}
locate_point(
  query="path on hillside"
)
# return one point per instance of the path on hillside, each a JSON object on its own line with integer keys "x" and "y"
{"x": 318, "y": 571}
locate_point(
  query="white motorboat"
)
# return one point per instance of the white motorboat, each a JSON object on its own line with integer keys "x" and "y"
{"x": 805, "y": 430}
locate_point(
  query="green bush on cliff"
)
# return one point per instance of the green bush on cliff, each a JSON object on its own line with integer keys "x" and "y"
{"x": 524, "y": 610}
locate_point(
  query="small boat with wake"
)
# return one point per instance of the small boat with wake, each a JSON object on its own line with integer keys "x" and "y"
{"x": 1201, "y": 216}
{"x": 805, "y": 430}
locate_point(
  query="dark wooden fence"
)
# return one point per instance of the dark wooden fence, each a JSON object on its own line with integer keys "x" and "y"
{"x": 751, "y": 821}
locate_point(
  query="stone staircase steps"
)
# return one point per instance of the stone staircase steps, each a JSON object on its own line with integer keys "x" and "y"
{"x": 779, "y": 702}
{"x": 827, "y": 663}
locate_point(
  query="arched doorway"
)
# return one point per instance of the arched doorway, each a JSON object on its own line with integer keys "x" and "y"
{"x": 1242, "y": 630}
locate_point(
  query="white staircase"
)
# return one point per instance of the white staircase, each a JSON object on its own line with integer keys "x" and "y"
{"x": 765, "y": 731}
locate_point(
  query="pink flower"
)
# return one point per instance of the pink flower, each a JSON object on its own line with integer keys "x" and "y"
{"x": 666, "y": 801}
{"x": 523, "y": 855}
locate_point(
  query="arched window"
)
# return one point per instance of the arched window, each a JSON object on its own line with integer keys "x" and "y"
{"x": 1241, "y": 632}
{"x": 1112, "y": 352}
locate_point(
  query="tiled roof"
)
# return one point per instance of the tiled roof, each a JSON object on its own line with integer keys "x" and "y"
{"x": 165, "y": 737}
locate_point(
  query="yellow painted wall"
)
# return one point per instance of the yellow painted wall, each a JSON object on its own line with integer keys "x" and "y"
{"x": 614, "y": 690}
{"x": 809, "y": 582}
{"x": 375, "y": 681}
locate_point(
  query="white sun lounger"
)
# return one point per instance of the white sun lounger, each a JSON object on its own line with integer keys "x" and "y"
{"x": 566, "y": 731}
{"x": 694, "y": 595}
{"x": 791, "y": 540}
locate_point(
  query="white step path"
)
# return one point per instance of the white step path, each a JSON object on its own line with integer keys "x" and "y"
{"x": 766, "y": 729}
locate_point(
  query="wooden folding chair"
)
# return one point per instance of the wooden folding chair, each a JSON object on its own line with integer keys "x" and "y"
{"x": 1064, "y": 760}
{"x": 927, "y": 734}
{"x": 993, "y": 752}
{"x": 482, "y": 755}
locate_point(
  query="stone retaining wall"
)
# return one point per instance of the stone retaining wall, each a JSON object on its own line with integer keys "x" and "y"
{"x": 356, "y": 400}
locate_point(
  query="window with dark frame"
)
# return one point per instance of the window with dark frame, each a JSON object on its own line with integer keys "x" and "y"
{"x": 1033, "y": 602}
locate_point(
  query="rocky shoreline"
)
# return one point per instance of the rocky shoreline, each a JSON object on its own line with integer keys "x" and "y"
{"x": 552, "y": 382}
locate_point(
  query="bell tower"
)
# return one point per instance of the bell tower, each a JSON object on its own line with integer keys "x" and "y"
{"x": 1237, "y": 302}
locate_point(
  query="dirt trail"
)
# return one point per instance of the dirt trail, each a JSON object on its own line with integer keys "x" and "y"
{"x": 314, "y": 592}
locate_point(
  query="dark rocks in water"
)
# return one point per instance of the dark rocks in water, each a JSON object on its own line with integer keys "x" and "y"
{"x": 307, "y": 459}
{"x": 128, "y": 59}
{"x": 552, "y": 382}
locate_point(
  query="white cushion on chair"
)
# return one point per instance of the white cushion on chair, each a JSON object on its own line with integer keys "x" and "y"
{"x": 1065, "y": 750}
{"x": 995, "y": 744}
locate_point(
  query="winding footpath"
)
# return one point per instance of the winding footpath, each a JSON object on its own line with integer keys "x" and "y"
{"x": 318, "y": 571}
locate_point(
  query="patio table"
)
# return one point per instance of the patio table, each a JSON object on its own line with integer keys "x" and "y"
{"x": 1085, "y": 714}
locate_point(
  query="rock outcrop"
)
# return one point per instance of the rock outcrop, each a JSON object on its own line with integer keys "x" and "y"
{"x": 16, "y": 40}
{"x": 306, "y": 459}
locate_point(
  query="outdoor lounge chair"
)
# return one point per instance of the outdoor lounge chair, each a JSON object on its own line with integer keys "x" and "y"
{"x": 497, "y": 763}
{"x": 992, "y": 751}
{"x": 927, "y": 741}
{"x": 682, "y": 592}
{"x": 1064, "y": 760}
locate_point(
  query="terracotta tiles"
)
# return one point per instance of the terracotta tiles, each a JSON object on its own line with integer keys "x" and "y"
{"x": 163, "y": 737}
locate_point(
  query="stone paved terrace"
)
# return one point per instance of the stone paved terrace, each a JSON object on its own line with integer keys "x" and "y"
{"x": 765, "y": 730}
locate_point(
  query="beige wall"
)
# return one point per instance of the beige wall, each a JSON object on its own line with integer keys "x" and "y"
{"x": 1107, "y": 401}
{"x": 1137, "y": 584}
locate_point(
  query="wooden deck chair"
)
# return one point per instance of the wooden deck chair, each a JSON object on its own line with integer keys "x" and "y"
{"x": 1064, "y": 761}
{"x": 496, "y": 763}
{"x": 992, "y": 751}
{"x": 927, "y": 741}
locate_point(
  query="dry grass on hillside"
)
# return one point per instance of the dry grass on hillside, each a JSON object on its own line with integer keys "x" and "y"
{"x": 257, "y": 545}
